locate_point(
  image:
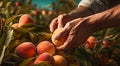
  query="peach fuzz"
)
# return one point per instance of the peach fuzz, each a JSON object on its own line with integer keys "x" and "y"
{"x": 45, "y": 46}
{"x": 15, "y": 25}
{"x": 60, "y": 60}
{"x": 25, "y": 50}
{"x": 60, "y": 41}
{"x": 45, "y": 57}
{"x": 25, "y": 19}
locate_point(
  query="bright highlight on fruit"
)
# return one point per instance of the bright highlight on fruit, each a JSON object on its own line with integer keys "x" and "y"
{"x": 15, "y": 26}
{"x": 25, "y": 19}
{"x": 25, "y": 50}
{"x": 60, "y": 60}
{"x": 45, "y": 57}
{"x": 60, "y": 41}
{"x": 90, "y": 43}
{"x": 45, "y": 46}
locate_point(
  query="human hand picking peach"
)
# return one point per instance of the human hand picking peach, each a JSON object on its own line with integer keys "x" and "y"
{"x": 77, "y": 30}
{"x": 60, "y": 21}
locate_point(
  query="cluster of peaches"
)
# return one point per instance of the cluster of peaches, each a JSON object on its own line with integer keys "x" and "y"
{"x": 45, "y": 51}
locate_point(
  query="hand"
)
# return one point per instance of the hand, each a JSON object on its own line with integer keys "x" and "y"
{"x": 78, "y": 31}
{"x": 60, "y": 21}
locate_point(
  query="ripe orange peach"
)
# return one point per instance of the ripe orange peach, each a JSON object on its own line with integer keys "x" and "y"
{"x": 25, "y": 50}
{"x": 25, "y": 19}
{"x": 50, "y": 12}
{"x": 3, "y": 21}
{"x": 45, "y": 57}
{"x": 45, "y": 46}
{"x": 60, "y": 41}
{"x": 60, "y": 60}
{"x": 43, "y": 12}
{"x": 108, "y": 42}
{"x": 15, "y": 26}
{"x": 35, "y": 12}
{"x": 90, "y": 43}
{"x": 17, "y": 4}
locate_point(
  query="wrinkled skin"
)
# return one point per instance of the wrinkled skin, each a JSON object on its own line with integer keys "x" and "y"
{"x": 78, "y": 31}
{"x": 72, "y": 28}
{"x": 60, "y": 21}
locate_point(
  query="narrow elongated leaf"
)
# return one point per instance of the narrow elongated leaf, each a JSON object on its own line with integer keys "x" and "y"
{"x": 7, "y": 42}
{"x": 26, "y": 61}
{"x": 1, "y": 3}
{"x": 11, "y": 19}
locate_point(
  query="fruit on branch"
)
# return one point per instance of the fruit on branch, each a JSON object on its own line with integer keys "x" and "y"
{"x": 15, "y": 26}
{"x": 60, "y": 41}
{"x": 108, "y": 41}
{"x": 25, "y": 19}
{"x": 60, "y": 60}
{"x": 25, "y": 50}
{"x": 45, "y": 57}
{"x": 35, "y": 12}
{"x": 45, "y": 46}
{"x": 90, "y": 42}
{"x": 17, "y": 4}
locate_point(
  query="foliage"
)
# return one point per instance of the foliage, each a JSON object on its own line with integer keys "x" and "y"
{"x": 100, "y": 55}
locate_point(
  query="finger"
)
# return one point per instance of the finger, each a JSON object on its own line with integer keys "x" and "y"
{"x": 53, "y": 24}
{"x": 69, "y": 42}
{"x": 61, "y": 21}
{"x": 64, "y": 31}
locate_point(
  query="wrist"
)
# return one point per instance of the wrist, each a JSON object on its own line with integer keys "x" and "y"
{"x": 80, "y": 12}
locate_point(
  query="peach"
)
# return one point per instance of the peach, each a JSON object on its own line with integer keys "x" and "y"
{"x": 25, "y": 50}
{"x": 15, "y": 26}
{"x": 50, "y": 12}
{"x": 45, "y": 46}
{"x": 45, "y": 57}
{"x": 3, "y": 21}
{"x": 60, "y": 41}
{"x": 25, "y": 19}
{"x": 35, "y": 12}
{"x": 60, "y": 60}
{"x": 108, "y": 41}
{"x": 43, "y": 12}
{"x": 90, "y": 43}
{"x": 17, "y": 4}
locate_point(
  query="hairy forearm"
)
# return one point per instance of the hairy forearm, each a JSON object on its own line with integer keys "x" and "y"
{"x": 107, "y": 19}
{"x": 81, "y": 11}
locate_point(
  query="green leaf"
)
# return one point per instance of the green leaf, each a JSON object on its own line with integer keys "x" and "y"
{"x": 7, "y": 42}
{"x": 84, "y": 57}
{"x": 8, "y": 4}
{"x": 1, "y": 4}
{"x": 26, "y": 61}
{"x": 11, "y": 19}
{"x": 2, "y": 40}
